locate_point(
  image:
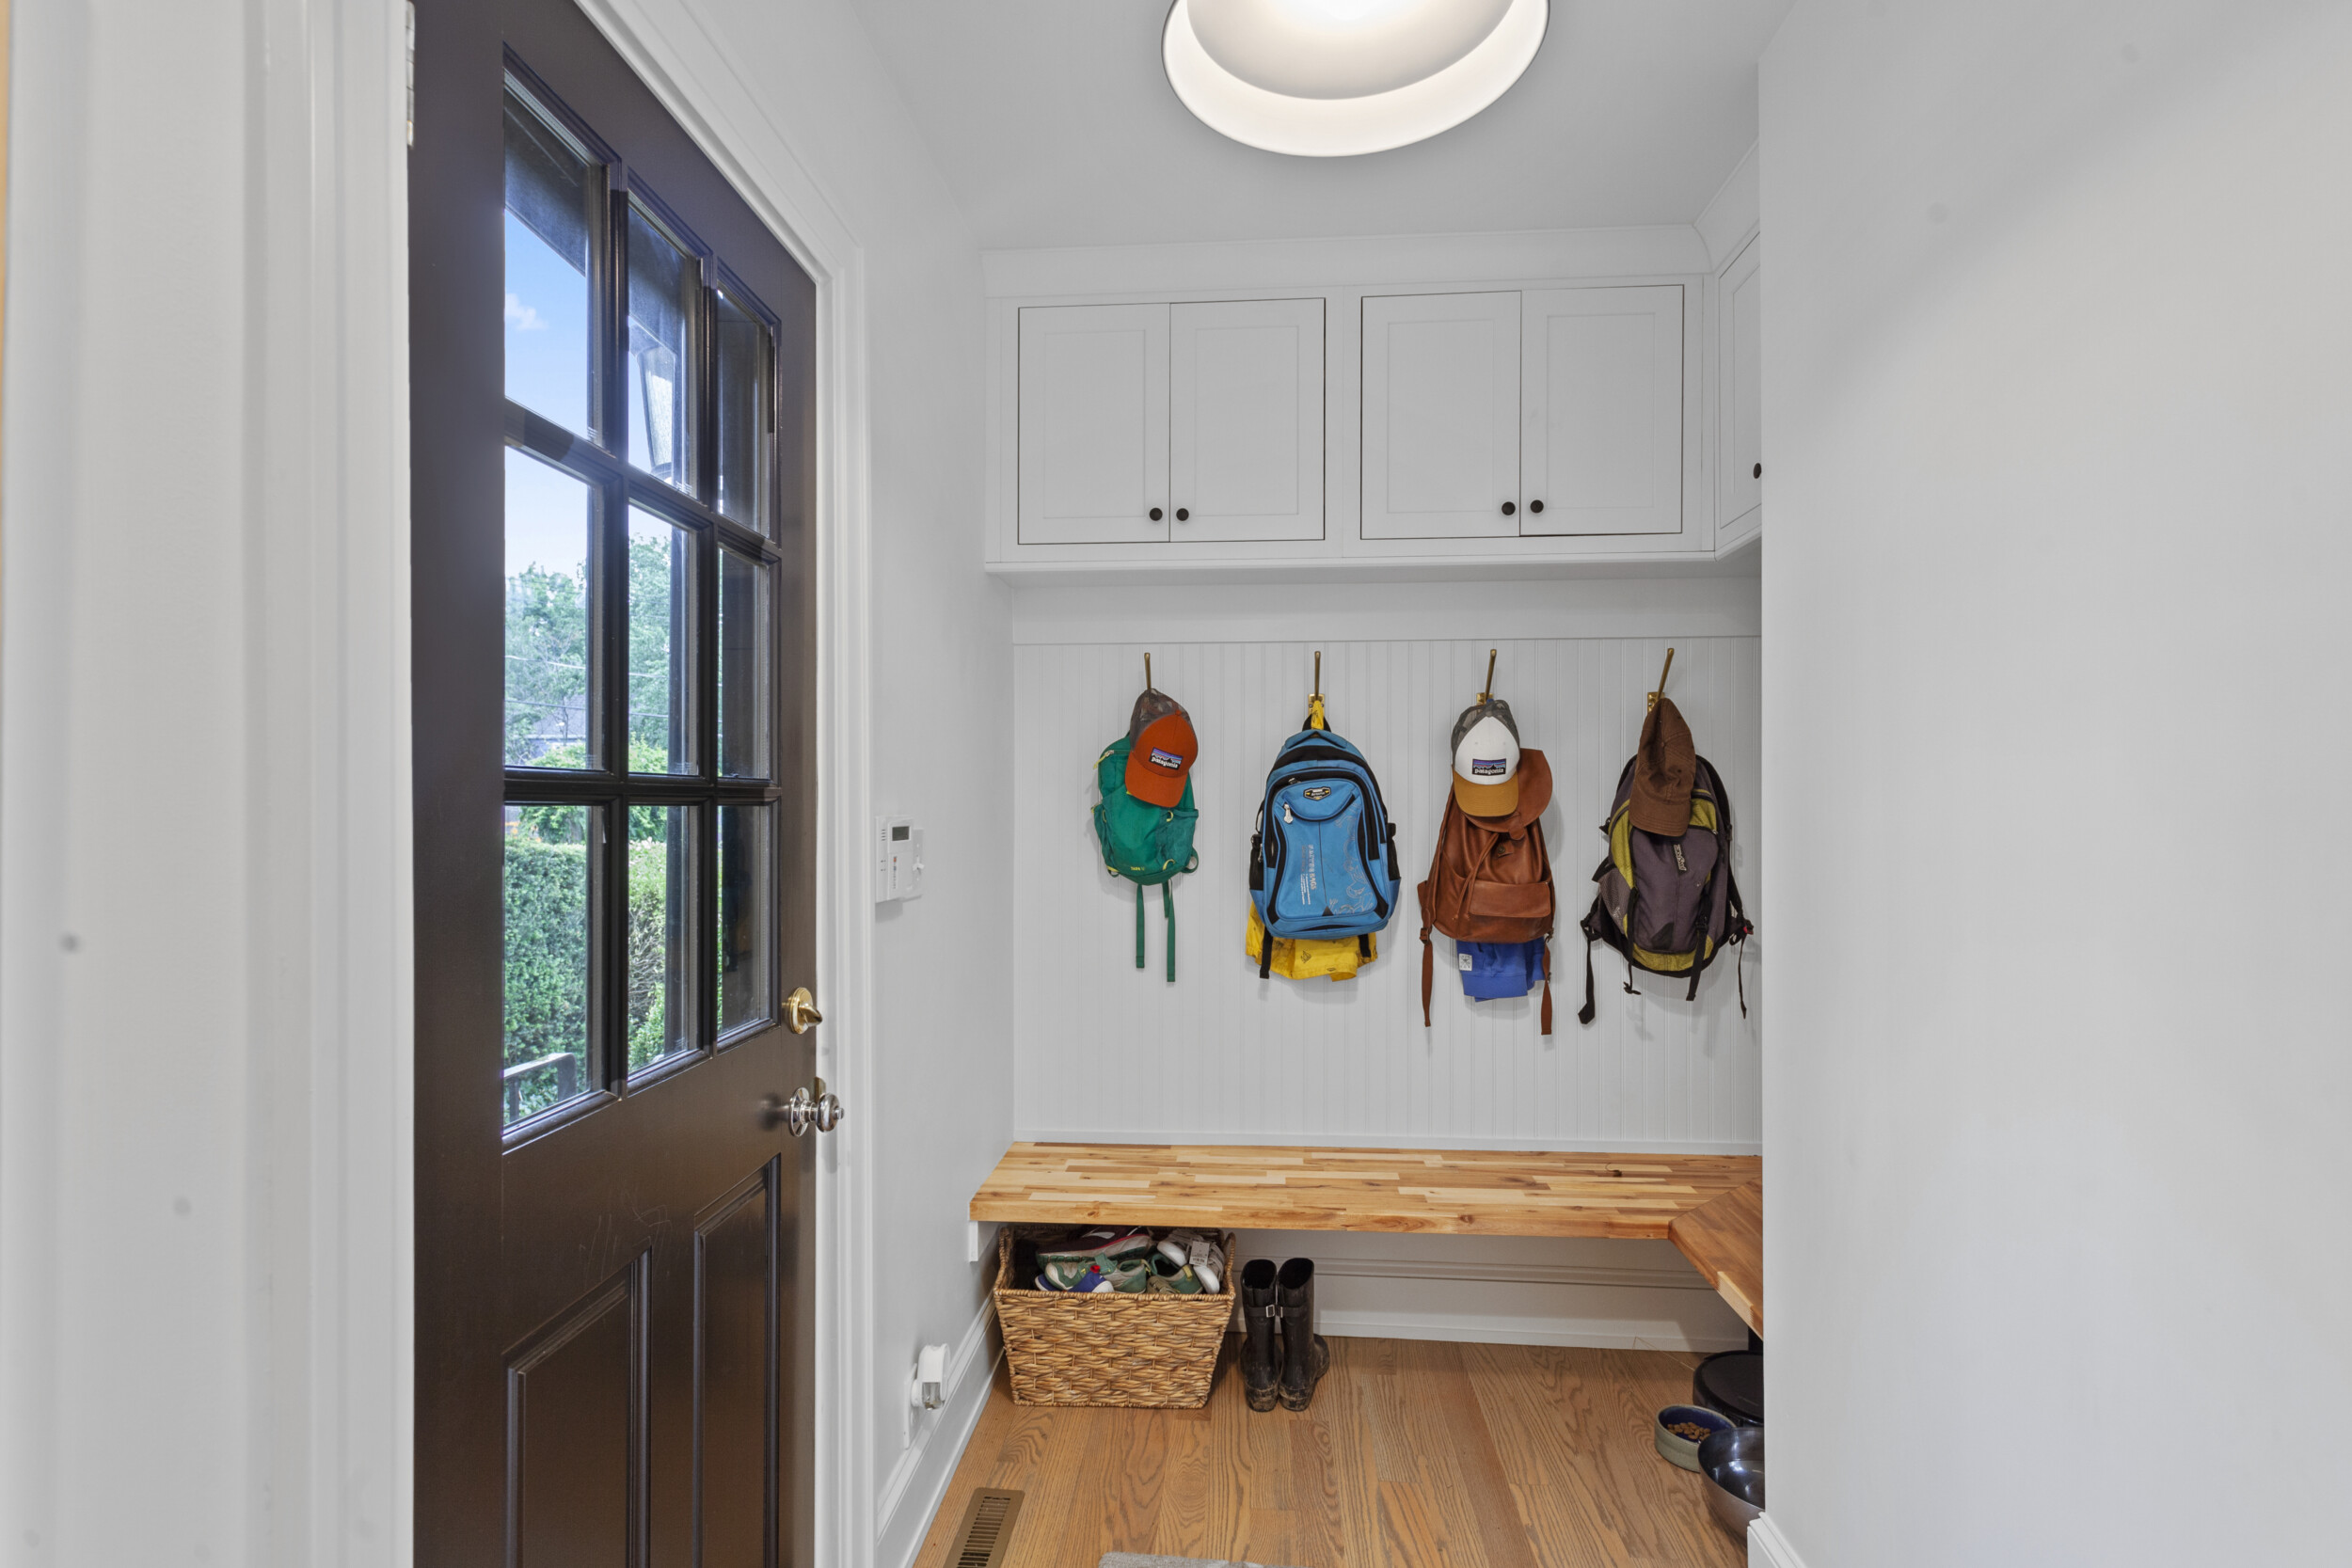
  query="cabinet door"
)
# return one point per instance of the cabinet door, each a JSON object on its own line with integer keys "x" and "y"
{"x": 1740, "y": 394}
{"x": 1601, "y": 404}
{"x": 1093, "y": 424}
{"x": 1244, "y": 433}
{"x": 1441, "y": 430}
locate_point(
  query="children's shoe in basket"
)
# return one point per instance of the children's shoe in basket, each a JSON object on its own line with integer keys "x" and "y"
{"x": 1100, "y": 1245}
{"x": 1173, "y": 1279}
{"x": 1203, "y": 1256}
{"x": 1126, "y": 1275}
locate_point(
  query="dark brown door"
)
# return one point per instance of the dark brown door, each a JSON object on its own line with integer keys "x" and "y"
{"x": 613, "y": 366}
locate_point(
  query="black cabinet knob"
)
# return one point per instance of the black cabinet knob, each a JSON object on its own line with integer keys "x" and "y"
{"x": 1510, "y": 507}
{"x": 1155, "y": 514}
{"x": 1534, "y": 506}
{"x": 1183, "y": 515}
{"x": 1759, "y": 472}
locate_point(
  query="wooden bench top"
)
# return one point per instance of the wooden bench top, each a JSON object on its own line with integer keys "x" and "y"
{"x": 1429, "y": 1191}
{"x": 1724, "y": 1239}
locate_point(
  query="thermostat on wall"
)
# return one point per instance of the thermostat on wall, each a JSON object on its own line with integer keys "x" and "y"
{"x": 898, "y": 860}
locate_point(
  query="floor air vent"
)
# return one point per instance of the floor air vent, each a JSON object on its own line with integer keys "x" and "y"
{"x": 986, "y": 1530}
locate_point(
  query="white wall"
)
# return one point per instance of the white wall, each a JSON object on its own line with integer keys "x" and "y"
{"x": 939, "y": 1093}
{"x": 1105, "y": 1050}
{"x": 204, "y": 862}
{"x": 2058, "y": 414}
{"x": 1109, "y": 1050}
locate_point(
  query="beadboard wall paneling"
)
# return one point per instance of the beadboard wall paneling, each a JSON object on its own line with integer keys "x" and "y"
{"x": 1107, "y": 1051}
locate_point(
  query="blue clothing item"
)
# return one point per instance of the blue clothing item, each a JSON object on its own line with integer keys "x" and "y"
{"x": 1492, "y": 970}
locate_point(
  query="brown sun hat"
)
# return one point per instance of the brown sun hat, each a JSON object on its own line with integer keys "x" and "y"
{"x": 1663, "y": 768}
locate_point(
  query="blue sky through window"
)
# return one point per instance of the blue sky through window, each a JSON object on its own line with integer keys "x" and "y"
{"x": 547, "y": 329}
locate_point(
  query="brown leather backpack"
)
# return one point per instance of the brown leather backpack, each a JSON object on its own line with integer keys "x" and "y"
{"x": 1490, "y": 880}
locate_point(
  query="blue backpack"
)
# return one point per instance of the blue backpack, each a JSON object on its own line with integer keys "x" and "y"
{"x": 1323, "y": 861}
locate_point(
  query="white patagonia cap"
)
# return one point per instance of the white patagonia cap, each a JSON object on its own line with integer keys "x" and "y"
{"x": 1487, "y": 759}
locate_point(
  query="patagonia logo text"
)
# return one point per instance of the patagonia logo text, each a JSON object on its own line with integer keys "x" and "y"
{"x": 1489, "y": 768}
{"x": 1166, "y": 759}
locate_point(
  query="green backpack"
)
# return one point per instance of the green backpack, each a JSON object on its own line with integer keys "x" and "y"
{"x": 1146, "y": 843}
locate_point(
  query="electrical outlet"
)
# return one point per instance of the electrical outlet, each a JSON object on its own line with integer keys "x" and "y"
{"x": 927, "y": 1389}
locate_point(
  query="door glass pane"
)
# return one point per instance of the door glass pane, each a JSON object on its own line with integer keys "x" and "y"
{"x": 745, "y": 362}
{"x": 662, "y": 288}
{"x": 552, "y": 199}
{"x": 548, "y": 879}
{"x": 660, "y": 602}
{"x": 746, "y": 917}
{"x": 742, "y": 666}
{"x": 548, "y": 530}
{"x": 661, "y": 918}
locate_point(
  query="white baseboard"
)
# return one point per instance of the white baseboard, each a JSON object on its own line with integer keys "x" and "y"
{"x": 1507, "y": 1291}
{"x": 911, "y": 1493}
{"x": 1769, "y": 1548}
{"x": 1605, "y": 1334}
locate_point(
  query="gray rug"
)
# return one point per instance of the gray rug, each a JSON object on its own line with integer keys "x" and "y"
{"x": 1136, "y": 1560}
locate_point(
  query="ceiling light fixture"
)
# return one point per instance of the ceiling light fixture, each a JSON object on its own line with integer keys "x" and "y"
{"x": 1333, "y": 78}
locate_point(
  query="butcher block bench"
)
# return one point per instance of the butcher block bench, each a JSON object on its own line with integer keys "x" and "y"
{"x": 1709, "y": 1205}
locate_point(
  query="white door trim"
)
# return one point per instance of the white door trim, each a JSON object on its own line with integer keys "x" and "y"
{"x": 694, "y": 80}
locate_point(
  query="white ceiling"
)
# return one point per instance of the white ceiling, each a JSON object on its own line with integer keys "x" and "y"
{"x": 1055, "y": 126}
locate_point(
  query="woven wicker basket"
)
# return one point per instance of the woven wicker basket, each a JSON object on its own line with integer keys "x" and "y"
{"x": 1104, "y": 1348}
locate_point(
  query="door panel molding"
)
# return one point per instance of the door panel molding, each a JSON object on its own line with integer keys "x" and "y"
{"x": 578, "y": 1325}
{"x": 752, "y": 1207}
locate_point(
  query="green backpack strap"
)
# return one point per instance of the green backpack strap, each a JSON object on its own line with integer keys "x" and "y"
{"x": 1139, "y": 925}
{"x": 1168, "y": 906}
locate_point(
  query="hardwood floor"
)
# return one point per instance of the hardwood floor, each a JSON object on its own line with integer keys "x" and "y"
{"x": 1414, "y": 1455}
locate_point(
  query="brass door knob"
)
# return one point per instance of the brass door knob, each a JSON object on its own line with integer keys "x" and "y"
{"x": 800, "y": 1011}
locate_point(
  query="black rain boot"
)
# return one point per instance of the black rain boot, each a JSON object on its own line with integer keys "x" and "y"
{"x": 1261, "y": 1345}
{"x": 1306, "y": 1356}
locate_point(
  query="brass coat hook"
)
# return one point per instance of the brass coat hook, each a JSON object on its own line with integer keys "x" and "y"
{"x": 1662, "y": 679}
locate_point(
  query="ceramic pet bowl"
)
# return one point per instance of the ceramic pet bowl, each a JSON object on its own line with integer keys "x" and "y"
{"x": 1678, "y": 1448}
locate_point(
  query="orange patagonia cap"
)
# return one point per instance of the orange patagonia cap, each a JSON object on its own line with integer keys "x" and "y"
{"x": 1161, "y": 748}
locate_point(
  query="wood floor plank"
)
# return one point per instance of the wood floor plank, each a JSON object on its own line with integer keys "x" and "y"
{"x": 1182, "y": 1529}
{"x": 1138, "y": 1446}
{"x": 1335, "y": 1506}
{"x": 1563, "y": 1533}
{"x": 1461, "y": 1426}
{"x": 1267, "y": 1539}
{"x": 1413, "y": 1533}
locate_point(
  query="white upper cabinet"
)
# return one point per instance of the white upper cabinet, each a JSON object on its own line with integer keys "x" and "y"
{"x": 1601, "y": 410}
{"x": 1473, "y": 422}
{"x": 1740, "y": 401}
{"x": 1244, "y": 425}
{"x": 1441, "y": 415}
{"x": 1093, "y": 419}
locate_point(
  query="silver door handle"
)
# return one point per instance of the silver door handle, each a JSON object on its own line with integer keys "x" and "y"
{"x": 811, "y": 1105}
{"x": 795, "y": 1115}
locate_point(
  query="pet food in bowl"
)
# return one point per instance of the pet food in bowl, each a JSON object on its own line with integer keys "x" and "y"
{"x": 1680, "y": 1430}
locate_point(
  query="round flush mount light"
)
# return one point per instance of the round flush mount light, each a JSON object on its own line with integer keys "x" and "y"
{"x": 1333, "y": 78}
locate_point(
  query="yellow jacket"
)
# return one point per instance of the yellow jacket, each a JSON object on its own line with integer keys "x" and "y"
{"x": 1304, "y": 958}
